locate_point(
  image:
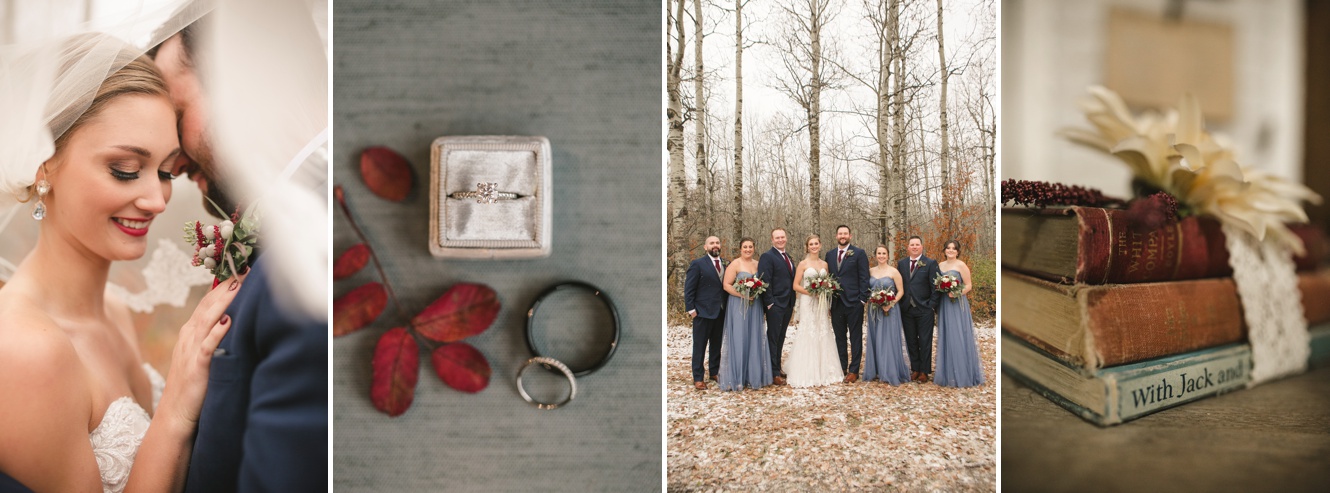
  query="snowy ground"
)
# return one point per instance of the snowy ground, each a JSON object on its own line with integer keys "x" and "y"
{"x": 865, "y": 436}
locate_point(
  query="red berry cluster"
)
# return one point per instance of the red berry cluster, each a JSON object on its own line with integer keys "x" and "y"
{"x": 1044, "y": 194}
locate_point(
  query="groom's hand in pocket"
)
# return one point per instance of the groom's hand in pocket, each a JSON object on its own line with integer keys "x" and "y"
{"x": 187, "y": 381}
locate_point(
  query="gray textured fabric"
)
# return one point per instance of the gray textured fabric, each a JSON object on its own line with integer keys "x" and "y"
{"x": 587, "y": 76}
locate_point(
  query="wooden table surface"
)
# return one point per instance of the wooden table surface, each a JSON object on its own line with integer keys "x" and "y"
{"x": 1274, "y": 437}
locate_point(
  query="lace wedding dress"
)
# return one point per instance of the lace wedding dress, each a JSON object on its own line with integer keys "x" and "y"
{"x": 116, "y": 440}
{"x": 812, "y": 360}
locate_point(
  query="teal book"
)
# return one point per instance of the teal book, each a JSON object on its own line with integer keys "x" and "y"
{"x": 1121, "y": 393}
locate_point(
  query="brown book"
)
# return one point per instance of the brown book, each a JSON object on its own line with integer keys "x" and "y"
{"x": 1098, "y": 326}
{"x": 1104, "y": 246}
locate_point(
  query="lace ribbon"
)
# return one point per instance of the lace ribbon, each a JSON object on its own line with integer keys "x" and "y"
{"x": 1271, "y": 305}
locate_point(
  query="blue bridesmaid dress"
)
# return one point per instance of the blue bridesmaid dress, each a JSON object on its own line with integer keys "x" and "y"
{"x": 744, "y": 358}
{"x": 884, "y": 357}
{"x": 957, "y": 357}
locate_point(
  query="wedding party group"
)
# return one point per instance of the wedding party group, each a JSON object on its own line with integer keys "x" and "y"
{"x": 742, "y": 310}
{"x": 99, "y": 120}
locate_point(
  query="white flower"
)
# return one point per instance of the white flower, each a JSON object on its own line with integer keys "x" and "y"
{"x": 1175, "y": 154}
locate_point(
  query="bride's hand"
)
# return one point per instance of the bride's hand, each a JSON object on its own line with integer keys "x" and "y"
{"x": 187, "y": 380}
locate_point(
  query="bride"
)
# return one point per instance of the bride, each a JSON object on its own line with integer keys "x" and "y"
{"x": 812, "y": 361}
{"x": 80, "y": 410}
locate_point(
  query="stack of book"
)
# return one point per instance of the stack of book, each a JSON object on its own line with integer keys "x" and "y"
{"x": 1115, "y": 320}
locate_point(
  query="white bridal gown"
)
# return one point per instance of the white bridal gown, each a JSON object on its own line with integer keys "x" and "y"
{"x": 812, "y": 360}
{"x": 116, "y": 440}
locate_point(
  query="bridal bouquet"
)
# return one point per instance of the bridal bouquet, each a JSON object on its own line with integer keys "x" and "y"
{"x": 879, "y": 298}
{"x": 949, "y": 284}
{"x": 821, "y": 284}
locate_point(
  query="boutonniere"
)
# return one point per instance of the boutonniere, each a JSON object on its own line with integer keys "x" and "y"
{"x": 849, "y": 253}
{"x": 224, "y": 248}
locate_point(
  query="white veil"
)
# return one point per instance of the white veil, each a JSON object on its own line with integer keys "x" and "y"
{"x": 265, "y": 70}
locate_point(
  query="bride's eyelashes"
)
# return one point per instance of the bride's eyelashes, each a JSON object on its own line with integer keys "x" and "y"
{"x": 123, "y": 175}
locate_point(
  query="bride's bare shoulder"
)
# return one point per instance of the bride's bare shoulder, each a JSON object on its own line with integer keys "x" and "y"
{"x": 34, "y": 351}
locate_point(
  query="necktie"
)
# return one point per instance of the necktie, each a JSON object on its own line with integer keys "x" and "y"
{"x": 840, "y": 258}
{"x": 718, "y": 271}
{"x": 788, "y": 264}
{"x": 912, "y": 261}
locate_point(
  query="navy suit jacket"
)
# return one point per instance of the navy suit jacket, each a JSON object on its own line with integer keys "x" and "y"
{"x": 919, "y": 287}
{"x": 851, "y": 273}
{"x": 264, "y": 422}
{"x": 10, "y": 485}
{"x": 779, "y": 276}
{"x": 703, "y": 289}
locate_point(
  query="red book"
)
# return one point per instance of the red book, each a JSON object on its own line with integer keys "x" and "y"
{"x": 1091, "y": 245}
{"x": 1098, "y": 326}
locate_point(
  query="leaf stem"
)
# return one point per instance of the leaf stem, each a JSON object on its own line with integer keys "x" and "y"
{"x": 341, "y": 202}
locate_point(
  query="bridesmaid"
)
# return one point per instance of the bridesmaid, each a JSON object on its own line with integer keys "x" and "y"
{"x": 744, "y": 359}
{"x": 884, "y": 359}
{"x": 957, "y": 358}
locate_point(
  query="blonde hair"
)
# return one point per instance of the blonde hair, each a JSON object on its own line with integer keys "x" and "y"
{"x": 138, "y": 76}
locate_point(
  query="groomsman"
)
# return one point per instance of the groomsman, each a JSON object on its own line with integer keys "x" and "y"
{"x": 849, "y": 265}
{"x": 704, "y": 298}
{"x": 920, "y": 305}
{"x": 776, "y": 268}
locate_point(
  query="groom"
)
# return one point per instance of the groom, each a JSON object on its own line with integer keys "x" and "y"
{"x": 264, "y": 421}
{"x": 849, "y": 265}
{"x": 777, "y": 269}
{"x": 920, "y": 304}
{"x": 704, "y": 297}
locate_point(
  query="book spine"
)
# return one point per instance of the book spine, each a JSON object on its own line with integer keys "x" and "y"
{"x": 1136, "y": 322}
{"x": 1151, "y": 390}
{"x": 1114, "y": 249}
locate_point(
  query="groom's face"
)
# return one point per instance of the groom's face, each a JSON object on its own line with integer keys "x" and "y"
{"x": 194, "y": 122}
{"x": 778, "y": 239}
{"x": 843, "y": 236}
{"x": 713, "y": 246}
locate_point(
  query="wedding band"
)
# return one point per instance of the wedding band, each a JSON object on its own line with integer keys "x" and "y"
{"x": 549, "y": 364}
{"x": 600, "y": 295}
{"x": 485, "y": 193}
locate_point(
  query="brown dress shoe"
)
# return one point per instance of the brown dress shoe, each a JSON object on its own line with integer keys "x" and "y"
{"x": 713, "y": 378}
{"x": 778, "y": 381}
{"x": 851, "y": 378}
{"x": 700, "y": 385}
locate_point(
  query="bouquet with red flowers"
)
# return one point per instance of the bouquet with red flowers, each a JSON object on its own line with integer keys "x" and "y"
{"x": 949, "y": 284}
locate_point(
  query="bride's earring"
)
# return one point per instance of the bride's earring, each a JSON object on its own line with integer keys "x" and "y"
{"x": 39, "y": 210}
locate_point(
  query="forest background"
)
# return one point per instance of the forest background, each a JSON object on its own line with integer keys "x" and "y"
{"x": 806, "y": 114}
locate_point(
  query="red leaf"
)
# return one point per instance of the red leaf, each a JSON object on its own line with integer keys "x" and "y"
{"x": 341, "y": 196}
{"x": 396, "y": 369}
{"x": 462, "y": 367}
{"x": 351, "y": 261}
{"x": 465, "y": 310}
{"x": 358, "y": 308}
{"x": 386, "y": 173}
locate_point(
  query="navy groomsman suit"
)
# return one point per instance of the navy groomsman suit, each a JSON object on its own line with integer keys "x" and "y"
{"x": 703, "y": 291}
{"x": 777, "y": 270}
{"x": 264, "y": 421}
{"x": 847, "y": 309}
{"x": 10, "y": 485}
{"x": 920, "y": 304}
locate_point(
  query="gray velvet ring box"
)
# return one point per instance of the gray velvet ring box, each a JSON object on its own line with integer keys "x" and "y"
{"x": 507, "y": 228}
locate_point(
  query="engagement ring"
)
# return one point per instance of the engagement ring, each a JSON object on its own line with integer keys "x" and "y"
{"x": 486, "y": 193}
